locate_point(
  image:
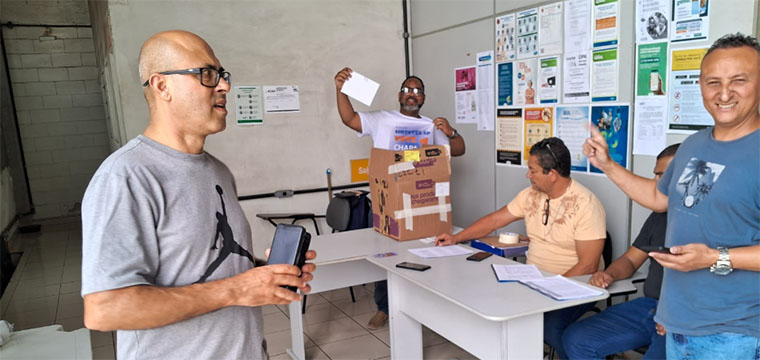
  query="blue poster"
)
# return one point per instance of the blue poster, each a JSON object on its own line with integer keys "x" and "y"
{"x": 612, "y": 122}
{"x": 505, "y": 84}
{"x": 571, "y": 125}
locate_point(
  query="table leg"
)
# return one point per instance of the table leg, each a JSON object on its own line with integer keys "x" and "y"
{"x": 406, "y": 332}
{"x": 297, "y": 351}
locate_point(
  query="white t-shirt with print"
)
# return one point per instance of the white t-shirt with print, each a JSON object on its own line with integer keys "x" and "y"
{"x": 392, "y": 130}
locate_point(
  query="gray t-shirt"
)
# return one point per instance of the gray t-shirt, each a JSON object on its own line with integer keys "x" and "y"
{"x": 155, "y": 216}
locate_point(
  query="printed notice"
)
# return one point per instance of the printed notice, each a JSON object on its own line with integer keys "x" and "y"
{"x": 612, "y": 122}
{"x": 650, "y": 121}
{"x": 484, "y": 72}
{"x": 508, "y": 139}
{"x": 548, "y": 76}
{"x": 604, "y": 75}
{"x": 466, "y": 97}
{"x": 550, "y": 25}
{"x": 538, "y": 126}
{"x": 605, "y": 23}
{"x": 505, "y": 38}
{"x": 248, "y": 105}
{"x": 280, "y": 99}
{"x": 686, "y": 112}
{"x": 652, "y": 22}
{"x": 576, "y": 85}
{"x": 527, "y": 33}
{"x": 652, "y": 65}
{"x": 572, "y": 128}
{"x": 577, "y": 25}
{"x": 504, "y": 82}
{"x": 691, "y": 20}
{"x": 525, "y": 79}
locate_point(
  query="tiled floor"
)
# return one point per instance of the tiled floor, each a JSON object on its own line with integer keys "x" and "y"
{"x": 45, "y": 288}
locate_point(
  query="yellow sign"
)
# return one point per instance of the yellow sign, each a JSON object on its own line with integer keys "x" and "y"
{"x": 687, "y": 59}
{"x": 412, "y": 155}
{"x": 359, "y": 170}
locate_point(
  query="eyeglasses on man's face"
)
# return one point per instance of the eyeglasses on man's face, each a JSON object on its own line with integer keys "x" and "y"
{"x": 208, "y": 75}
{"x": 415, "y": 91}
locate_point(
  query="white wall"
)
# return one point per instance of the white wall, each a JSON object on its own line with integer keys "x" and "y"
{"x": 267, "y": 42}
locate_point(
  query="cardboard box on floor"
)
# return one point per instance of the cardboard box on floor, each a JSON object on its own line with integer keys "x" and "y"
{"x": 410, "y": 192}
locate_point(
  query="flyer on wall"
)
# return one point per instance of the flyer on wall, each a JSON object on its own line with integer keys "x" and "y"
{"x": 525, "y": 80}
{"x": 576, "y": 87}
{"x": 571, "y": 126}
{"x": 465, "y": 95}
{"x": 651, "y": 67}
{"x": 605, "y": 23}
{"x": 504, "y": 83}
{"x": 604, "y": 75}
{"x": 577, "y": 25}
{"x": 538, "y": 122}
{"x": 281, "y": 99}
{"x": 548, "y": 78}
{"x": 505, "y": 38}
{"x": 550, "y": 29}
{"x": 686, "y": 113}
{"x": 650, "y": 121}
{"x": 484, "y": 72}
{"x": 691, "y": 20}
{"x": 508, "y": 139}
{"x": 612, "y": 122}
{"x": 527, "y": 33}
{"x": 652, "y": 22}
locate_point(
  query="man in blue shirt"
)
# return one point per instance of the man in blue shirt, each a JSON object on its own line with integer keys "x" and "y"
{"x": 710, "y": 301}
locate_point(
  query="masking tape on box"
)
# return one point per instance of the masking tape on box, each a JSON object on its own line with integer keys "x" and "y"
{"x": 408, "y": 213}
{"x": 397, "y": 168}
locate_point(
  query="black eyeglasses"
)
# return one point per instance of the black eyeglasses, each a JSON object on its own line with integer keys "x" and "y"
{"x": 415, "y": 91}
{"x": 209, "y": 76}
{"x": 545, "y": 217}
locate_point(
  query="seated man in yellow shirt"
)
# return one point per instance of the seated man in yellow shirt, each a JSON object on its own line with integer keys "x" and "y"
{"x": 565, "y": 223}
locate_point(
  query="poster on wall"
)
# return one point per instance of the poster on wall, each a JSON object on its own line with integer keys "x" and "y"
{"x": 525, "y": 80}
{"x": 572, "y": 127}
{"x": 527, "y": 33}
{"x": 505, "y": 38}
{"x": 484, "y": 67}
{"x": 691, "y": 20}
{"x": 577, "y": 25}
{"x": 548, "y": 80}
{"x": 604, "y": 75}
{"x": 550, "y": 29}
{"x": 651, "y": 67}
{"x": 538, "y": 123}
{"x": 465, "y": 95}
{"x": 686, "y": 113}
{"x": 650, "y": 121}
{"x": 248, "y": 105}
{"x": 508, "y": 139}
{"x": 576, "y": 85}
{"x": 281, "y": 99}
{"x": 606, "y": 14}
{"x": 612, "y": 122}
{"x": 504, "y": 83}
{"x": 652, "y": 22}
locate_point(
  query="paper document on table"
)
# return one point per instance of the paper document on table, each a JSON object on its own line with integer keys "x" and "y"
{"x": 440, "y": 251}
{"x": 561, "y": 288}
{"x": 506, "y": 273}
{"x": 360, "y": 88}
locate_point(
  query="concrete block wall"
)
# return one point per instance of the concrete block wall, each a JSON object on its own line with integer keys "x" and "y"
{"x": 60, "y": 110}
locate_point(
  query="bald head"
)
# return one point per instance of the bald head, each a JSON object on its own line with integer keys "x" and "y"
{"x": 168, "y": 50}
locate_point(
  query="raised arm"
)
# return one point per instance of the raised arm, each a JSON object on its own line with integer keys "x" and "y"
{"x": 146, "y": 307}
{"x": 347, "y": 114}
{"x": 457, "y": 143}
{"x": 639, "y": 189}
{"x": 480, "y": 228}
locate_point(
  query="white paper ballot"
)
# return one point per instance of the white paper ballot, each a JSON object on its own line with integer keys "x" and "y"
{"x": 440, "y": 251}
{"x": 360, "y": 88}
{"x": 516, "y": 272}
{"x": 561, "y": 288}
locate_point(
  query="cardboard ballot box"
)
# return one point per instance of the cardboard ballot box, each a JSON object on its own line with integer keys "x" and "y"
{"x": 410, "y": 192}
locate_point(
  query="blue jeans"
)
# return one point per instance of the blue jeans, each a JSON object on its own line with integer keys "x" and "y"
{"x": 713, "y": 347}
{"x": 381, "y": 295}
{"x": 619, "y": 328}
{"x": 555, "y": 323}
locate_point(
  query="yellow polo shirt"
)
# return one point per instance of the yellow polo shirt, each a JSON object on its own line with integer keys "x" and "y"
{"x": 577, "y": 215}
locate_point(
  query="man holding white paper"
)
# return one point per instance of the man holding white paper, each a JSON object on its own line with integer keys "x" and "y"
{"x": 395, "y": 130}
{"x": 398, "y": 130}
{"x": 565, "y": 223}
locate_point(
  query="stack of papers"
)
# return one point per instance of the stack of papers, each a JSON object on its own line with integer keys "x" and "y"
{"x": 506, "y": 273}
{"x": 440, "y": 251}
{"x": 561, "y": 288}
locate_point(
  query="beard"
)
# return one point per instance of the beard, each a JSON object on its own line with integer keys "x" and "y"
{"x": 415, "y": 107}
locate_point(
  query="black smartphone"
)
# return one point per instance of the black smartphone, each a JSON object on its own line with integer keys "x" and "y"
{"x": 412, "y": 266}
{"x": 650, "y": 248}
{"x": 289, "y": 246}
{"x": 479, "y": 256}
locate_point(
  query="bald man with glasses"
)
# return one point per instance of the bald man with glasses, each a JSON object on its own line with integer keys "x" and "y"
{"x": 565, "y": 223}
{"x": 152, "y": 217}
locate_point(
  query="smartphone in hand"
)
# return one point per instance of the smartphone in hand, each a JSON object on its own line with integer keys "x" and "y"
{"x": 289, "y": 247}
{"x": 659, "y": 249}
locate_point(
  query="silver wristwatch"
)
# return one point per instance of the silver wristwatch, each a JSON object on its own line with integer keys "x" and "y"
{"x": 723, "y": 265}
{"x": 454, "y": 134}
